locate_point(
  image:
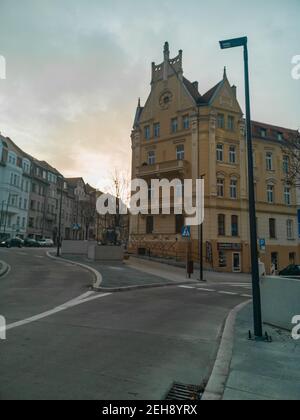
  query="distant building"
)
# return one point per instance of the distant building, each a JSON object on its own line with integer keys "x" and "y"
{"x": 180, "y": 133}
{"x": 30, "y": 197}
{"x": 15, "y": 170}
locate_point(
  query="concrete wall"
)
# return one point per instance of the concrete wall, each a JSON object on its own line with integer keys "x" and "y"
{"x": 76, "y": 247}
{"x": 105, "y": 253}
{"x": 280, "y": 301}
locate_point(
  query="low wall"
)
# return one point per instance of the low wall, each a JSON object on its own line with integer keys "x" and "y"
{"x": 105, "y": 253}
{"x": 280, "y": 301}
{"x": 76, "y": 247}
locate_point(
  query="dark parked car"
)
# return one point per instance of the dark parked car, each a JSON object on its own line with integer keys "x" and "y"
{"x": 13, "y": 243}
{"x": 31, "y": 243}
{"x": 292, "y": 270}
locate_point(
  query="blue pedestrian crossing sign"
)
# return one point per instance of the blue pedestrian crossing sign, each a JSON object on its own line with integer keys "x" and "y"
{"x": 186, "y": 232}
{"x": 262, "y": 244}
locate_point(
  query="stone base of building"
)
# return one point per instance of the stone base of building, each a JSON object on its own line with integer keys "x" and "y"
{"x": 231, "y": 257}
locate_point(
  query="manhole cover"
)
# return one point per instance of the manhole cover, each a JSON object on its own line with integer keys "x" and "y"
{"x": 185, "y": 392}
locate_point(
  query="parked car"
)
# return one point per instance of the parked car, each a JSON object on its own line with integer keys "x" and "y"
{"x": 46, "y": 243}
{"x": 292, "y": 270}
{"x": 13, "y": 243}
{"x": 31, "y": 243}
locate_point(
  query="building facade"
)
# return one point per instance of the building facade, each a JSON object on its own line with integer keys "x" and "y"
{"x": 15, "y": 170}
{"x": 181, "y": 134}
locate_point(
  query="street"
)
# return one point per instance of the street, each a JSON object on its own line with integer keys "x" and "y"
{"x": 84, "y": 345}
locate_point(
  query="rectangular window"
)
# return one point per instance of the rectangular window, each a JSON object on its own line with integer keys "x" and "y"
{"x": 290, "y": 229}
{"x": 147, "y": 132}
{"x": 23, "y": 222}
{"x": 232, "y": 155}
{"x": 180, "y": 155}
{"x": 263, "y": 132}
{"x": 230, "y": 123}
{"x": 234, "y": 226}
{"x": 287, "y": 196}
{"x": 220, "y": 187}
{"x": 272, "y": 228}
{"x": 279, "y": 136}
{"x": 151, "y": 158}
{"x": 157, "y": 130}
{"x": 270, "y": 194}
{"x": 221, "y": 121}
{"x": 186, "y": 122}
{"x": 220, "y": 152}
{"x": 286, "y": 165}
{"x": 149, "y": 225}
{"x": 274, "y": 260}
{"x": 233, "y": 189}
{"x": 269, "y": 161}
{"x": 174, "y": 125}
{"x": 221, "y": 225}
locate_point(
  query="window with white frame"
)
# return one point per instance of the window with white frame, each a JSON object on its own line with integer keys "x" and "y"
{"x": 220, "y": 187}
{"x": 156, "y": 130}
{"x": 286, "y": 165}
{"x": 290, "y": 229}
{"x": 151, "y": 157}
{"x": 174, "y": 125}
{"x": 186, "y": 122}
{"x": 147, "y": 132}
{"x": 180, "y": 155}
{"x": 220, "y": 152}
{"x": 269, "y": 161}
{"x": 233, "y": 188}
{"x": 287, "y": 196}
{"x": 270, "y": 193}
{"x": 232, "y": 154}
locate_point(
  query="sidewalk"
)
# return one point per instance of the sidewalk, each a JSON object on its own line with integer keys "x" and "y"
{"x": 263, "y": 371}
{"x": 118, "y": 275}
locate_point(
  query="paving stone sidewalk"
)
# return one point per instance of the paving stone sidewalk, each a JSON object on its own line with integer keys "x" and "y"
{"x": 263, "y": 371}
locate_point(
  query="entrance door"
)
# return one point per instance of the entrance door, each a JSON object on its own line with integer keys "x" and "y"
{"x": 236, "y": 266}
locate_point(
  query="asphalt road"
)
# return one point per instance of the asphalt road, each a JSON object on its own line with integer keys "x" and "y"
{"x": 123, "y": 346}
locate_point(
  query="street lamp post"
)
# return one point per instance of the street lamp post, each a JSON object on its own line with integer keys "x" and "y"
{"x": 60, "y": 216}
{"x": 232, "y": 43}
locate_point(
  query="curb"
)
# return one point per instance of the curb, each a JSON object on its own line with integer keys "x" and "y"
{"x": 215, "y": 388}
{"x": 98, "y": 276}
{"x": 5, "y": 268}
{"x": 99, "y": 279}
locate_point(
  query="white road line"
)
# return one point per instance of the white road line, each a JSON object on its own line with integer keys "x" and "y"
{"x": 228, "y": 293}
{"x": 247, "y": 296}
{"x": 205, "y": 290}
{"x": 186, "y": 287}
{"x": 75, "y": 302}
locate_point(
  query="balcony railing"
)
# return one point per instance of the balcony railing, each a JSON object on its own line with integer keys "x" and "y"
{"x": 175, "y": 166}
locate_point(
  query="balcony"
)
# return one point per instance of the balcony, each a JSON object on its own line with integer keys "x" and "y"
{"x": 176, "y": 167}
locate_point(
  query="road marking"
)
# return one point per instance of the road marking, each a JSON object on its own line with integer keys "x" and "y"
{"x": 39, "y": 256}
{"x": 228, "y": 293}
{"x": 205, "y": 290}
{"x": 186, "y": 287}
{"x": 247, "y": 296}
{"x": 86, "y": 297}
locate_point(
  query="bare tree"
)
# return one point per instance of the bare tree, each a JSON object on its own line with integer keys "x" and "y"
{"x": 291, "y": 150}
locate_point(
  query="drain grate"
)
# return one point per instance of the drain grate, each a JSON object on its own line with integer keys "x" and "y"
{"x": 185, "y": 392}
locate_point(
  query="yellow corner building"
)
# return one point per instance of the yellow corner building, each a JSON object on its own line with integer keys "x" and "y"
{"x": 180, "y": 133}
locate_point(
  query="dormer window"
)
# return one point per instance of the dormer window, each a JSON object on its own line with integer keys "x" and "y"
{"x": 263, "y": 132}
{"x": 279, "y": 136}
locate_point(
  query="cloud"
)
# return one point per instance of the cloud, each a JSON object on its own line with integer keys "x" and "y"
{"x": 75, "y": 69}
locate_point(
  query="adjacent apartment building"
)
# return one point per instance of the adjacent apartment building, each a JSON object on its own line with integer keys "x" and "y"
{"x": 182, "y": 134}
{"x": 30, "y": 195}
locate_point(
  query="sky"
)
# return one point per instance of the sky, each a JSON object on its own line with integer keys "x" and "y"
{"x": 75, "y": 69}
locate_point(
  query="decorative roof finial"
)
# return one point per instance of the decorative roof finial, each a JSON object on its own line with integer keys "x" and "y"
{"x": 166, "y": 51}
{"x": 139, "y": 103}
{"x": 225, "y": 73}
